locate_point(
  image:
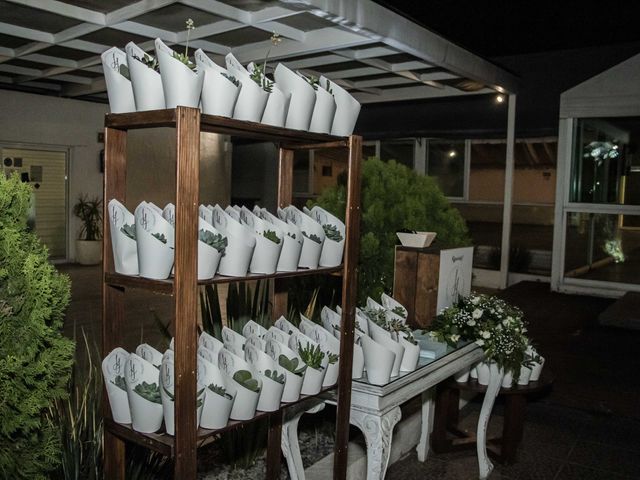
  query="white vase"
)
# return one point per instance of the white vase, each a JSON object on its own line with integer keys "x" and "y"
{"x": 119, "y": 88}
{"x": 293, "y": 382}
{"x": 525, "y": 375}
{"x": 507, "y": 380}
{"x": 267, "y": 252}
{"x": 146, "y": 416}
{"x": 125, "y": 248}
{"x": 347, "y": 108}
{"x": 219, "y": 93}
{"x": 181, "y": 85}
{"x": 411, "y": 353}
{"x": 252, "y": 99}
{"x": 378, "y": 361}
{"x": 332, "y": 250}
{"x": 462, "y": 376}
{"x": 292, "y": 243}
{"x": 155, "y": 258}
{"x": 208, "y": 256}
{"x": 484, "y": 373}
{"x": 113, "y": 367}
{"x": 147, "y": 83}
{"x": 303, "y": 97}
{"x": 324, "y": 111}
{"x": 276, "y": 108}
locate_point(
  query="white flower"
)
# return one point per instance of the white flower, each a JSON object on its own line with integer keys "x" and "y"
{"x": 505, "y": 323}
{"x": 485, "y": 334}
{"x": 471, "y": 323}
{"x": 455, "y": 337}
{"x": 480, "y": 342}
{"x": 477, "y": 313}
{"x": 475, "y": 300}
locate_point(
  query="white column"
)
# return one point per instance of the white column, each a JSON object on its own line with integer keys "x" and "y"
{"x": 508, "y": 193}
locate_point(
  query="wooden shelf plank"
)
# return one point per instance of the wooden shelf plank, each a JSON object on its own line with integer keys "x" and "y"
{"x": 164, "y": 444}
{"x": 224, "y": 125}
{"x": 166, "y": 286}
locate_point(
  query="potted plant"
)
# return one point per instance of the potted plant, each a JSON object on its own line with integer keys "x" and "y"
{"x": 381, "y": 333}
{"x": 253, "y": 97}
{"x": 277, "y": 335}
{"x": 272, "y": 376}
{"x": 324, "y": 109}
{"x": 143, "y": 390}
{"x": 378, "y": 360}
{"x": 243, "y": 385}
{"x": 155, "y": 242}
{"x": 122, "y": 230}
{"x": 118, "y": 80}
{"x": 220, "y": 89}
{"x": 293, "y": 367}
{"x": 89, "y": 242}
{"x": 146, "y": 79}
{"x": 334, "y": 230}
{"x": 313, "y": 356}
{"x": 331, "y": 322}
{"x": 233, "y": 341}
{"x": 253, "y": 328}
{"x": 269, "y": 241}
{"x": 291, "y": 242}
{"x": 240, "y": 246}
{"x": 113, "y": 373}
{"x": 211, "y": 247}
{"x": 312, "y": 235}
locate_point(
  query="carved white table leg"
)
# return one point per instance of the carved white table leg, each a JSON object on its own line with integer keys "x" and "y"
{"x": 426, "y": 424}
{"x": 495, "y": 381}
{"x": 378, "y": 432}
{"x": 289, "y": 444}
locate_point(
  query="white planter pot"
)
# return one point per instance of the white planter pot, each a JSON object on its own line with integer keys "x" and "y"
{"x": 462, "y": 376}
{"x": 252, "y": 99}
{"x": 208, "y": 256}
{"x": 241, "y": 243}
{"x": 507, "y": 380}
{"x": 323, "y": 112}
{"x": 276, "y": 109}
{"x": 378, "y": 361}
{"x": 155, "y": 259}
{"x": 147, "y": 83}
{"x": 88, "y": 252}
{"x": 347, "y": 109}
{"x": 150, "y": 354}
{"x": 181, "y": 85}
{"x": 146, "y": 416}
{"x": 125, "y": 249}
{"x": 411, "y": 353}
{"x": 299, "y": 340}
{"x": 313, "y": 379}
{"x": 484, "y": 373}
{"x": 292, "y": 243}
{"x": 536, "y": 370}
{"x": 303, "y": 97}
{"x": 113, "y": 367}
{"x": 332, "y": 250}
{"x": 219, "y": 93}
{"x": 525, "y": 375}
{"x": 119, "y": 88}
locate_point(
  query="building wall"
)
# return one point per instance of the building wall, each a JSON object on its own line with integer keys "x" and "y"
{"x": 530, "y": 185}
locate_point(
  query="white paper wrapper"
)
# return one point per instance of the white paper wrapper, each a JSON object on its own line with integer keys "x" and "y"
{"x": 246, "y": 401}
{"x": 292, "y": 244}
{"x": 155, "y": 258}
{"x": 411, "y": 353}
{"x": 146, "y": 416}
{"x": 125, "y": 249}
{"x": 277, "y": 335}
{"x": 253, "y": 328}
{"x": 113, "y": 366}
{"x": 181, "y": 85}
{"x": 252, "y": 99}
{"x": 211, "y": 343}
{"x": 216, "y": 408}
{"x": 241, "y": 243}
{"x": 536, "y": 370}
{"x": 147, "y": 83}
{"x": 286, "y": 326}
{"x": 256, "y": 342}
{"x": 276, "y": 109}
{"x": 311, "y": 250}
{"x": 119, "y": 88}
{"x": 313, "y": 377}
{"x": 271, "y": 393}
{"x": 385, "y": 340}
{"x": 266, "y": 253}
{"x": 167, "y": 389}
{"x": 391, "y": 303}
{"x": 293, "y": 382}
{"x": 332, "y": 250}
{"x": 206, "y": 213}
{"x": 219, "y": 94}
{"x": 323, "y": 112}
{"x": 303, "y": 97}
{"x": 208, "y": 256}
{"x": 150, "y": 354}
{"x": 233, "y": 341}
{"x": 330, "y": 345}
{"x": 378, "y": 361}
{"x": 347, "y": 109}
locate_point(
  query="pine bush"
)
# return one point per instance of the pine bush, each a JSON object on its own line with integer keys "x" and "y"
{"x": 35, "y": 359}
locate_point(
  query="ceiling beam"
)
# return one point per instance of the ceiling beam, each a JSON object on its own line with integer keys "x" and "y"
{"x": 28, "y": 33}
{"x": 414, "y": 93}
{"x": 65, "y": 9}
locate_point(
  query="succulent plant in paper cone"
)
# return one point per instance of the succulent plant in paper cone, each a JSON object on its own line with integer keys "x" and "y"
{"x": 149, "y": 391}
{"x": 292, "y": 365}
{"x": 214, "y": 240}
{"x": 275, "y": 376}
{"x": 332, "y": 232}
{"x": 312, "y": 355}
{"x": 217, "y": 389}
{"x": 35, "y": 359}
{"x": 244, "y": 378}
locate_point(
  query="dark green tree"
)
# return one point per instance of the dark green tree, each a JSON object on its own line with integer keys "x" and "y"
{"x": 35, "y": 359}
{"x": 394, "y": 197}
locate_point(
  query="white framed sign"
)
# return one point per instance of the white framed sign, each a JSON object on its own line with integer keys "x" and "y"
{"x": 454, "y": 280}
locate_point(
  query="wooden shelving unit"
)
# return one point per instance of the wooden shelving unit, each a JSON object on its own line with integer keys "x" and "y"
{"x": 188, "y": 123}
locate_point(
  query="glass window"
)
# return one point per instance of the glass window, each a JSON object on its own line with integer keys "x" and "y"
{"x": 446, "y": 163}
{"x": 606, "y": 161}
{"x": 402, "y": 151}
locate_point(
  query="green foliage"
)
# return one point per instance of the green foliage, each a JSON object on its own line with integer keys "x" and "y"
{"x": 183, "y": 57}
{"x": 214, "y": 240}
{"x": 376, "y": 315}
{"x": 400, "y": 311}
{"x": 271, "y": 235}
{"x": 129, "y": 231}
{"x": 291, "y": 365}
{"x": 313, "y": 237}
{"x": 393, "y": 197}
{"x": 148, "y": 391}
{"x": 231, "y": 78}
{"x": 124, "y": 71}
{"x": 258, "y": 76}
{"x": 275, "y": 376}
{"x": 244, "y": 378}
{"x": 160, "y": 236}
{"x": 90, "y": 213}
{"x": 149, "y": 61}
{"x": 311, "y": 355}
{"x": 312, "y": 80}
{"x": 35, "y": 359}
{"x": 120, "y": 382}
{"x": 332, "y": 232}
{"x": 220, "y": 391}
{"x": 333, "y": 358}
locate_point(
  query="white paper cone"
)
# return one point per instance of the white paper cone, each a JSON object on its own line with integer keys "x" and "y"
{"x": 233, "y": 340}
{"x": 168, "y": 405}
{"x": 146, "y": 416}
{"x": 252, "y": 99}
{"x": 113, "y": 366}
{"x": 147, "y": 83}
{"x": 154, "y": 257}
{"x": 119, "y": 88}
{"x": 411, "y": 354}
{"x": 150, "y": 354}
{"x": 125, "y": 249}
{"x": 313, "y": 379}
{"x": 216, "y": 408}
{"x": 303, "y": 97}
{"x": 378, "y": 361}
{"x": 332, "y": 250}
{"x": 311, "y": 250}
{"x": 347, "y": 109}
{"x": 323, "y": 112}
{"x": 292, "y": 244}
{"x": 536, "y": 370}
{"x": 210, "y": 343}
{"x": 277, "y": 335}
{"x": 253, "y": 328}
{"x": 286, "y": 326}
{"x": 241, "y": 243}
{"x": 293, "y": 382}
{"x": 276, "y": 108}
{"x": 267, "y": 252}
{"x": 391, "y": 303}
{"x": 396, "y": 348}
{"x": 181, "y": 85}
{"x": 208, "y": 256}
{"x": 219, "y": 93}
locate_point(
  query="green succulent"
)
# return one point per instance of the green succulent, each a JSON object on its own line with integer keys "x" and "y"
{"x": 377, "y": 316}
{"x": 199, "y": 396}
{"x": 231, "y": 78}
{"x": 313, "y": 237}
{"x": 275, "y": 376}
{"x": 292, "y": 235}
{"x": 271, "y": 235}
{"x": 244, "y": 378}
{"x": 124, "y": 71}
{"x": 214, "y": 240}
{"x": 181, "y": 57}
{"x": 332, "y": 232}
{"x": 120, "y": 382}
{"x": 399, "y": 311}
{"x": 291, "y": 365}
{"x": 148, "y": 391}
{"x": 160, "y": 236}
{"x": 311, "y": 355}
{"x": 220, "y": 391}
{"x": 312, "y": 80}
{"x": 149, "y": 61}
{"x": 258, "y": 76}
{"x": 129, "y": 231}
{"x": 333, "y": 358}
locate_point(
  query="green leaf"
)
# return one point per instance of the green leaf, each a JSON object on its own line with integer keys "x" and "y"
{"x": 129, "y": 231}
{"x": 271, "y": 235}
{"x": 120, "y": 382}
{"x": 332, "y": 232}
{"x": 148, "y": 391}
{"x": 244, "y": 378}
{"x": 214, "y": 240}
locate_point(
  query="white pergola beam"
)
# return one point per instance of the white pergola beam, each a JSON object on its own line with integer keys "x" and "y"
{"x": 221, "y": 9}
{"x": 27, "y": 33}
{"x": 145, "y": 30}
{"x": 50, "y": 60}
{"x": 415, "y": 92}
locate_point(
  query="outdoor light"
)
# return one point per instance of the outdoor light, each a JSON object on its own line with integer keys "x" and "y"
{"x": 452, "y": 153}
{"x": 499, "y": 98}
